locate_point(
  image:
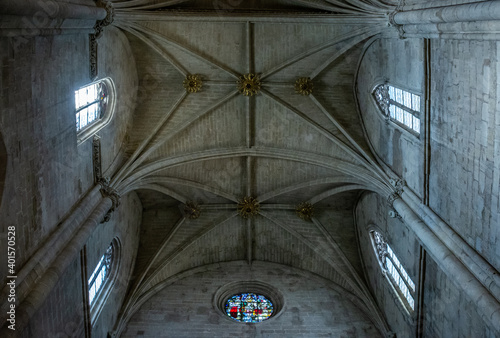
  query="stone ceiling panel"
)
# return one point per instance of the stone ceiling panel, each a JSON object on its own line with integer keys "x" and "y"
{"x": 272, "y": 174}
{"x": 273, "y": 117}
{"x": 278, "y": 42}
{"x": 226, "y": 175}
{"x": 212, "y": 238}
{"x": 219, "y": 42}
{"x": 222, "y": 128}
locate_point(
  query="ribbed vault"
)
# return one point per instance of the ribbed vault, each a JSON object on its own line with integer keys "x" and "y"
{"x": 193, "y": 155}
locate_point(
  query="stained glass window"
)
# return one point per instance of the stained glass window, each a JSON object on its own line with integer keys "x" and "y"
{"x": 90, "y": 104}
{"x": 100, "y": 274}
{"x": 396, "y": 272}
{"x": 249, "y": 308}
{"x": 400, "y": 106}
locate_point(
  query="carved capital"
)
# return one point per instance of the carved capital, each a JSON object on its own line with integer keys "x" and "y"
{"x": 392, "y": 197}
{"x": 398, "y": 185}
{"x": 392, "y": 23}
{"x": 110, "y": 15}
{"x": 112, "y": 194}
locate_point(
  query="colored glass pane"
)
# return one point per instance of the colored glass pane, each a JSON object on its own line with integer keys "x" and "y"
{"x": 249, "y": 308}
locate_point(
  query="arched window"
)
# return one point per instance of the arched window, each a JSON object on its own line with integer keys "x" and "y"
{"x": 94, "y": 107}
{"x": 400, "y": 106}
{"x": 102, "y": 279}
{"x": 394, "y": 271}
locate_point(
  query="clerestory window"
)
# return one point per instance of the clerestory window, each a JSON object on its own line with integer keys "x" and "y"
{"x": 102, "y": 279}
{"x": 100, "y": 274}
{"x": 394, "y": 271}
{"x": 94, "y": 106}
{"x": 90, "y": 103}
{"x": 400, "y": 106}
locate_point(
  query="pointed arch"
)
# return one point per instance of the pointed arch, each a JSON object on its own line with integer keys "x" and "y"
{"x": 94, "y": 107}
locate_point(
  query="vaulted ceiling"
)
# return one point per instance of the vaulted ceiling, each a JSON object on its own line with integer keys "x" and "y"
{"x": 212, "y": 148}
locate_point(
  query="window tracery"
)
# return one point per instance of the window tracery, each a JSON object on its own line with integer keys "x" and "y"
{"x": 400, "y": 106}
{"x": 100, "y": 274}
{"x": 102, "y": 279}
{"x": 249, "y": 308}
{"x": 393, "y": 270}
{"x": 94, "y": 107}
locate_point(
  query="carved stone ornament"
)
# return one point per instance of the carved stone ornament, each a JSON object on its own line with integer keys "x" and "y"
{"x": 98, "y": 29}
{"x": 303, "y": 86}
{"x": 192, "y": 210}
{"x": 192, "y": 83}
{"x": 249, "y": 84}
{"x": 93, "y": 71}
{"x": 392, "y": 197}
{"x": 381, "y": 94}
{"x": 108, "y": 20}
{"x": 398, "y": 185}
{"x": 305, "y": 211}
{"x": 248, "y": 207}
{"x": 96, "y": 158}
{"x": 112, "y": 194}
{"x": 380, "y": 246}
{"x": 394, "y": 214}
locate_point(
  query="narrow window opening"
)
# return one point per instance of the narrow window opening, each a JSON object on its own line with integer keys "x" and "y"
{"x": 394, "y": 271}
{"x": 102, "y": 279}
{"x": 90, "y": 104}
{"x": 400, "y": 106}
{"x": 100, "y": 274}
{"x": 94, "y": 108}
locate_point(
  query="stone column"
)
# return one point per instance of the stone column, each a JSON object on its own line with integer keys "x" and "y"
{"x": 52, "y": 9}
{"x": 479, "y": 11}
{"x": 54, "y": 257}
{"x": 457, "y": 271}
{"x": 466, "y": 21}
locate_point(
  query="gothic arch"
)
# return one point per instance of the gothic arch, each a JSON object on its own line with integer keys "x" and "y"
{"x": 91, "y": 129}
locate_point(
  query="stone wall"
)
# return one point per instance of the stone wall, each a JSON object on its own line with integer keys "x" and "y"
{"x": 371, "y": 214}
{"x": 313, "y": 307}
{"x": 47, "y": 173}
{"x": 464, "y": 176}
{"x": 465, "y": 142}
{"x": 62, "y": 314}
{"x": 448, "y": 312}
{"x": 400, "y": 63}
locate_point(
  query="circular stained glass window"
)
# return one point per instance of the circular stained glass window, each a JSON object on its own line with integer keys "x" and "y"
{"x": 249, "y": 308}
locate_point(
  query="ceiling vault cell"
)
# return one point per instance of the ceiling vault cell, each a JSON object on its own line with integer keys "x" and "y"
{"x": 164, "y": 180}
{"x": 211, "y": 144}
{"x": 137, "y": 32}
{"x": 349, "y": 169}
{"x": 179, "y": 46}
{"x": 184, "y": 245}
{"x": 147, "y": 4}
